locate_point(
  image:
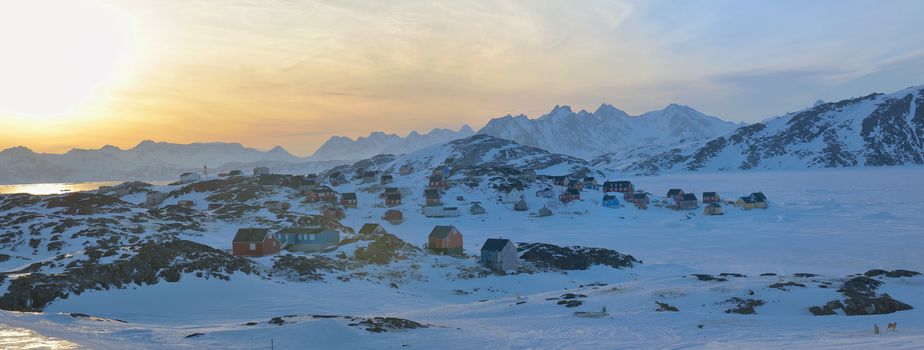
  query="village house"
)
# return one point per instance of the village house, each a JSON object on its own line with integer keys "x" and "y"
{"x": 545, "y": 211}
{"x": 476, "y": 209}
{"x": 618, "y": 186}
{"x": 713, "y": 209}
{"x": 711, "y": 197}
{"x": 336, "y": 178}
{"x": 276, "y": 205}
{"x": 308, "y": 239}
{"x": 590, "y": 182}
{"x": 405, "y": 169}
{"x": 432, "y": 197}
{"x": 188, "y": 177}
{"x": 499, "y": 254}
{"x": 255, "y": 242}
{"x": 675, "y": 194}
{"x": 610, "y": 201}
{"x": 154, "y": 198}
{"x": 760, "y": 200}
{"x": 640, "y": 199}
{"x": 688, "y": 201}
{"x": 547, "y": 192}
{"x": 437, "y": 181}
{"x": 260, "y": 170}
{"x": 386, "y": 179}
{"x": 393, "y": 216}
{"x": 445, "y": 240}
{"x": 575, "y": 184}
{"x": 393, "y": 199}
{"x": 321, "y": 194}
{"x": 559, "y": 180}
{"x": 370, "y": 229}
{"x": 348, "y": 200}
{"x": 569, "y": 195}
{"x": 521, "y": 205}
{"x": 388, "y": 191}
{"x": 746, "y": 203}
{"x": 440, "y": 211}
{"x": 332, "y": 212}
{"x": 369, "y": 177}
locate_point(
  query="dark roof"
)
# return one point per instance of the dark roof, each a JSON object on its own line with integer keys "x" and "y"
{"x": 250, "y": 235}
{"x": 609, "y": 183}
{"x": 393, "y": 196}
{"x": 607, "y": 197}
{"x": 758, "y": 196}
{"x": 589, "y": 178}
{"x": 302, "y": 230}
{"x": 368, "y": 228}
{"x": 639, "y": 195}
{"x": 441, "y": 231}
{"x": 689, "y": 197}
{"x": 495, "y": 244}
{"x": 349, "y": 196}
{"x": 747, "y": 199}
{"x": 674, "y": 192}
{"x": 709, "y": 194}
{"x": 431, "y": 193}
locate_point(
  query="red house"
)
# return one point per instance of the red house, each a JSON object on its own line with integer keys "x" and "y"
{"x": 255, "y": 242}
{"x": 445, "y": 240}
{"x": 348, "y": 200}
{"x": 711, "y": 197}
{"x": 570, "y": 195}
{"x": 321, "y": 193}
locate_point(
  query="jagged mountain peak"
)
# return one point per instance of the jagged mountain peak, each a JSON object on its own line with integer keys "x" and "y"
{"x": 344, "y": 148}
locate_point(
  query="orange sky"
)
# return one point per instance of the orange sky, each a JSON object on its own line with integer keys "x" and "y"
{"x": 293, "y": 73}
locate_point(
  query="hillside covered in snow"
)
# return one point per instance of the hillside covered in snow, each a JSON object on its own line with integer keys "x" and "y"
{"x": 873, "y": 130}
{"x": 345, "y": 148}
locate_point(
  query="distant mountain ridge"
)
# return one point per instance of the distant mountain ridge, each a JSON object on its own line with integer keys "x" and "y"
{"x": 608, "y": 129}
{"x": 873, "y": 130}
{"x": 345, "y": 148}
{"x": 148, "y": 160}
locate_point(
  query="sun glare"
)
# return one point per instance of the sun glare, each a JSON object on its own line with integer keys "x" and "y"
{"x": 59, "y": 55}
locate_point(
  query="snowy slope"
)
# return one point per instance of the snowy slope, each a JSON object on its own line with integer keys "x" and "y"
{"x": 874, "y": 130}
{"x": 608, "y": 129}
{"x": 345, "y": 148}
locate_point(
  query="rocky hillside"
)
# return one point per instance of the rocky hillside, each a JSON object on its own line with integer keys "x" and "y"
{"x": 608, "y": 129}
{"x": 873, "y": 130}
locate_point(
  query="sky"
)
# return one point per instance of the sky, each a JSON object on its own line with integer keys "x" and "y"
{"x": 84, "y": 73}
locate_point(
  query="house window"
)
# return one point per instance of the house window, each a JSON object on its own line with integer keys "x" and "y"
{"x": 253, "y": 246}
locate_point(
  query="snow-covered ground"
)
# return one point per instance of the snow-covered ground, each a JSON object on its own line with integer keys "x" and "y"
{"x": 827, "y": 222}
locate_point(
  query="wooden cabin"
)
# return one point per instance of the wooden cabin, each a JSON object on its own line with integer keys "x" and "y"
{"x": 348, "y": 200}
{"x": 255, "y": 242}
{"x": 569, "y": 195}
{"x": 713, "y": 209}
{"x": 711, "y": 197}
{"x": 499, "y": 254}
{"x": 393, "y": 199}
{"x": 445, "y": 240}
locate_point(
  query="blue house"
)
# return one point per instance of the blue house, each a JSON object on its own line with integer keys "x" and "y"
{"x": 610, "y": 201}
{"x": 308, "y": 239}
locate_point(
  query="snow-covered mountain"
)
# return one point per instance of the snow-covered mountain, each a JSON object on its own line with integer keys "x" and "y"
{"x": 148, "y": 160}
{"x": 874, "y": 130}
{"x": 345, "y": 148}
{"x": 606, "y": 130}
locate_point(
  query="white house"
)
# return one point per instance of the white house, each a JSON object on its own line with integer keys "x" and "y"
{"x": 499, "y": 254}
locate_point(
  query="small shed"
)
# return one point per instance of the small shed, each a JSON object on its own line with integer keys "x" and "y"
{"x": 476, "y": 209}
{"x": 445, "y": 240}
{"x": 255, "y": 242}
{"x": 499, "y": 254}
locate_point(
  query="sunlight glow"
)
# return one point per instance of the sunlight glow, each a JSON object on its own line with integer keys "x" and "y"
{"x": 59, "y": 55}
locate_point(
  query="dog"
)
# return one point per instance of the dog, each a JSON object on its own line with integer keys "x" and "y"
{"x": 892, "y": 326}
{"x": 875, "y": 328}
